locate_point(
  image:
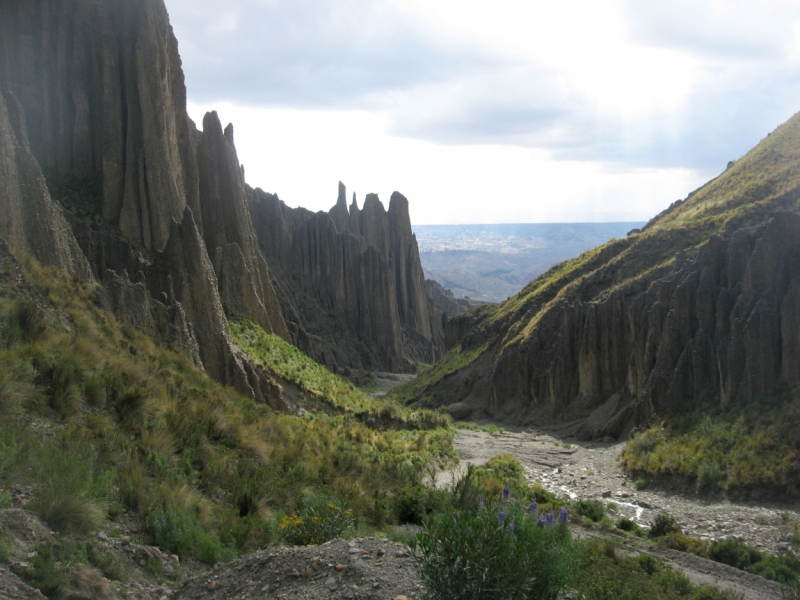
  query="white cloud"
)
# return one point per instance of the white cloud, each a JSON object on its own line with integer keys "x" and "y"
{"x": 580, "y": 101}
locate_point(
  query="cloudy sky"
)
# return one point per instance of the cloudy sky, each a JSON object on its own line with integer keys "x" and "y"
{"x": 492, "y": 112}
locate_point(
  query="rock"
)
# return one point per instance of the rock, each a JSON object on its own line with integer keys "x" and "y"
{"x": 783, "y": 546}
{"x": 340, "y": 567}
{"x": 606, "y": 494}
{"x": 32, "y": 223}
{"x": 102, "y": 536}
{"x": 361, "y": 275}
{"x": 211, "y": 586}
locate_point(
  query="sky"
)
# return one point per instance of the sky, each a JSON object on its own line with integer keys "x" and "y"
{"x": 506, "y": 111}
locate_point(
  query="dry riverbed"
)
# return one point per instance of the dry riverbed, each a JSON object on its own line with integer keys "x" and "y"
{"x": 590, "y": 470}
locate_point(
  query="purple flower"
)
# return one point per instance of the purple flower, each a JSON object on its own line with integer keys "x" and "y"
{"x": 506, "y": 493}
{"x": 564, "y": 515}
{"x": 501, "y": 516}
{"x": 533, "y": 507}
{"x": 540, "y": 522}
{"x": 549, "y": 517}
{"x": 513, "y": 527}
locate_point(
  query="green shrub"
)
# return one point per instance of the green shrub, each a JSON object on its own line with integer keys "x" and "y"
{"x": 734, "y": 552}
{"x": 178, "y": 532}
{"x": 412, "y": 504}
{"x": 784, "y": 568}
{"x": 663, "y": 524}
{"x": 488, "y": 554}
{"x": 629, "y": 526}
{"x": 591, "y": 509}
{"x": 320, "y": 519}
{"x": 608, "y": 575}
{"x": 710, "y": 477}
{"x": 641, "y": 483}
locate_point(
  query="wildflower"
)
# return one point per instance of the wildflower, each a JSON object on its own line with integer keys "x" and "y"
{"x": 506, "y": 493}
{"x": 540, "y": 522}
{"x": 533, "y": 507}
{"x": 564, "y": 515}
{"x": 549, "y": 518}
{"x": 501, "y": 516}
{"x": 513, "y": 527}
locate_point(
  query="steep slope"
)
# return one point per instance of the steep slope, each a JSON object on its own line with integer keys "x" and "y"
{"x": 32, "y": 223}
{"x": 350, "y": 283}
{"x": 103, "y": 90}
{"x": 102, "y": 85}
{"x": 699, "y": 306}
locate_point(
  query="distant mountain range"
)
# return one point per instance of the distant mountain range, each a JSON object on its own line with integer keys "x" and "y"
{"x": 493, "y": 262}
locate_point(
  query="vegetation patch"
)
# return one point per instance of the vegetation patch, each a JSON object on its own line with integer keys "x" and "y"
{"x": 290, "y": 363}
{"x": 102, "y": 423}
{"x": 742, "y": 451}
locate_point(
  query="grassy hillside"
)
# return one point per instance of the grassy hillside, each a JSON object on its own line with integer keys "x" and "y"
{"x": 103, "y": 425}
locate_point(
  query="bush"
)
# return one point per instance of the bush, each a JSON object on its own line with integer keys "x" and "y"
{"x": 176, "y": 531}
{"x": 498, "y": 552}
{"x": 319, "y": 520}
{"x": 664, "y": 524}
{"x": 592, "y": 509}
{"x": 710, "y": 477}
{"x": 734, "y": 552}
{"x": 629, "y": 526}
{"x": 641, "y": 483}
{"x": 412, "y": 504}
{"x": 685, "y": 543}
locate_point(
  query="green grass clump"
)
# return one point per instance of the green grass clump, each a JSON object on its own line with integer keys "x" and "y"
{"x": 290, "y": 363}
{"x": 742, "y": 450}
{"x": 455, "y": 359}
{"x": 180, "y": 533}
{"x": 593, "y": 510}
{"x": 319, "y": 519}
{"x": 606, "y": 575}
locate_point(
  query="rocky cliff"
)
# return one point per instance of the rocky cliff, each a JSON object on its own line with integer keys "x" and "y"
{"x": 160, "y": 214}
{"x": 350, "y": 281}
{"x": 102, "y": 88}
{"x": 699, "y": 307}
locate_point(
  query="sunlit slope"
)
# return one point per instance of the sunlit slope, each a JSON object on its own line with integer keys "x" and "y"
{"x": 762, "y": 183}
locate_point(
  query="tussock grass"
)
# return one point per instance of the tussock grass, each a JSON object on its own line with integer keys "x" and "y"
{"x": 741, "y": 451}
{"x": 133, "y": 427}
{"x": 291, "y": 364}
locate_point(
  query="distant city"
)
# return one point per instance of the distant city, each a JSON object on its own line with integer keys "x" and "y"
{"x": 493, "y": 262}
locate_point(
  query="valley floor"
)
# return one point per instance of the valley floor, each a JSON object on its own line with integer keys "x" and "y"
{"x": 586, "y": 470}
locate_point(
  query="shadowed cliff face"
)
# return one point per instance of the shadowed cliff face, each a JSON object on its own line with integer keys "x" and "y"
{"x": 103, "y": 91}
{"x": 31, "y": 222}
{"x": 698, "y": 307}
{"x": 350, "y": 282}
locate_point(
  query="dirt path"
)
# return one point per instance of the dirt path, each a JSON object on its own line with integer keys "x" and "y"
{"x": 591, "y": 470}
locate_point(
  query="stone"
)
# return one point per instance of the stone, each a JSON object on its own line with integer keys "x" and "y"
{"x": 606, "y": 494}
{"x": 352, "y": 289}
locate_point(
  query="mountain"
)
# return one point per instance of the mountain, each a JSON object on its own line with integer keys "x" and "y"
{"x": 350, "y": 282}
{"x": 493, "y": 262}
{"x": 160, "y": 214}
{"x": 698, "y": 307}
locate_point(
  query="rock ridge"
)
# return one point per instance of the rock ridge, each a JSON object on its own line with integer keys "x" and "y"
{"x": 353, "y": 277}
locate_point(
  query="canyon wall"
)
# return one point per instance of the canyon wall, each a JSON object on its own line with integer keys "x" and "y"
{"x": 350, "y": 281}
